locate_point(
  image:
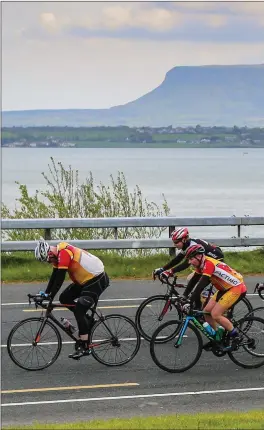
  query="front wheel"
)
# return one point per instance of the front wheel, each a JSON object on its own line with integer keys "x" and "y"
{"x": 153, "y": 312}
{"x": 115, "y": 340}
{"x": 32, "y": 352}
{"x": 176, "y": 354}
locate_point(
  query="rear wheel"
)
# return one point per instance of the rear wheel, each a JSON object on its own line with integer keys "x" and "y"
{"x": 115, "y": 340}
{"x": 250, "y": 351}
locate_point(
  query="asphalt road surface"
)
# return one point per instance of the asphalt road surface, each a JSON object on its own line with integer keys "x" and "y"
{"x": 83, "y": 390}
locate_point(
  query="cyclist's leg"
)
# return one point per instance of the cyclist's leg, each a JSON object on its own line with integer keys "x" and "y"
{"x": 209, "y": 308}
{"x": 89, "y": 297}
{"x": 71, "y": 293}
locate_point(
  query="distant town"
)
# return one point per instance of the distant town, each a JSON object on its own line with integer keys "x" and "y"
{"x": 77, "y": 137}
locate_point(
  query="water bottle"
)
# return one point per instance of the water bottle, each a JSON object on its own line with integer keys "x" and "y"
{"x": 67, "y": 325}
{"x": 219, "y": 333}
{"x": 209, "y": 329}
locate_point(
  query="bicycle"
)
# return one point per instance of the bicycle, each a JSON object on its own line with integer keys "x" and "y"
{"x": 259, "y": 288}
{"x": 116, "y": 332}
{"x": 188, "y": 331}
{"x": 152, "y": 311}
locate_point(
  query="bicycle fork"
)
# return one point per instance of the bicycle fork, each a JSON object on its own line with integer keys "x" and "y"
{"x": 40, "y": 330}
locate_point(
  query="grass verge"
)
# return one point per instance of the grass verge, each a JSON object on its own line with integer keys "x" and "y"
{"x": 22, "y": 266}
{"x": 227, "y": 420}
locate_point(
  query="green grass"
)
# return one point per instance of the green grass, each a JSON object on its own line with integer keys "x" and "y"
{"x": 227, "y": 420}
{"x": 22, "y": 266}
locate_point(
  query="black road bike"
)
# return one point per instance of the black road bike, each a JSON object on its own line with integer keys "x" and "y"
{"x": 35, "y": 343}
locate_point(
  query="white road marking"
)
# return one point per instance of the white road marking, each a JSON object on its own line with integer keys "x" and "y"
{"x": 98, "y": 307}
{"x": 71, "y": 341}
{"x": 137, "y": 396}
{"x": 103, "y": 300}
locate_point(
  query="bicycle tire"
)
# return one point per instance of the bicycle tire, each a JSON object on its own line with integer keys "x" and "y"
{"x": 15, "y": 330}
{"x": 246, "y": 349}
{"x": 139, "y": 316}
{"x": 248, "y": 309}
{"x": 96, "y": 342}
{"x": 154, "y": 342}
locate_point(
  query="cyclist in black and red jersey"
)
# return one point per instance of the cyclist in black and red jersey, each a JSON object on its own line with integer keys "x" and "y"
{"x": 182, "y": 242}
{"x": 89, "y": 280}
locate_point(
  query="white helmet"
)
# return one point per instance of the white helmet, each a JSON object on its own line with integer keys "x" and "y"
{"x": 41, "y": 251}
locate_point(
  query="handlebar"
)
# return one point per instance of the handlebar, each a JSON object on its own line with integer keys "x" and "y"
{"x": 260, "y": 290}
{"x": 38, "y": 299}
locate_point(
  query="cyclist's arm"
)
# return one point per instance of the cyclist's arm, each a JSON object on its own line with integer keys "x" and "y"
{"x": 58, "y": 280}
{"x": 64, "y": 259}
{"x": 191, "y": 284}
{"x": 51, "y": 280}
{"x": 174, "y": 261}
{"x": 203, "y": 282}
{"x": 181, "y": 267}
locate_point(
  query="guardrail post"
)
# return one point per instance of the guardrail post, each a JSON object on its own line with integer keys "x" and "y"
{"x": 115, "y": 232}
{"x": 238, "y": 230}
{"x": 171, "y": 250}
{"x": 47, "y": 234}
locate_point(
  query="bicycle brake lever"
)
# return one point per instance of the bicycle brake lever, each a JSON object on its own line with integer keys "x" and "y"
{"x": 256, "y": 288}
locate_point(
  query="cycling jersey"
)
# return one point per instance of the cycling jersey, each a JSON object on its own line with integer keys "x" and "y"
{"x": 226, "y": 280}
{"x": 222, "y": 276}
{"x": 210, "y": 250}
{"x": 81, "y": 265}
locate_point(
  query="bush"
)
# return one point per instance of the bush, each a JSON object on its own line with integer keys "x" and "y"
{"x": 65, "y": 197}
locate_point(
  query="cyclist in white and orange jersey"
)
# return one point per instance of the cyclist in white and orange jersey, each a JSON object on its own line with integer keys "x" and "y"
{"x": 89, "y": 280}
{"x": 227, "y": 281}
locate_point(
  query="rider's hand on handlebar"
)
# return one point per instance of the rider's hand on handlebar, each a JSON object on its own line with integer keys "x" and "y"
{"x": 185, "y": 303}
{"x": 157, "y": 272}
{"x": 166, "y": 275}
{"x": 43, "y": 295}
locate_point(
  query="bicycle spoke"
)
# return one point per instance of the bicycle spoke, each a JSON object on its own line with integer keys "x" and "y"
{"x": 27, "y": 354}
{"x": 120, "y": 349}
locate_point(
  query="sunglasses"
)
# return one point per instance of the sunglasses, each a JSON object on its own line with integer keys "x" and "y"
{"x": 177, "y": 241}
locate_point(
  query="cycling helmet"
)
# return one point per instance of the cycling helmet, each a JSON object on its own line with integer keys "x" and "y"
{"x": 180, "y": 233}
{"x": 42, "y": 250}
{"x": 194, "y": 250}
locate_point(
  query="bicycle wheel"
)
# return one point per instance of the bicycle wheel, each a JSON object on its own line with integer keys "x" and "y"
{"x": 115, "y": 340}
{"x": 240, "y": 309}
{"x": 250, "y": 352}
{"x": 31, "y": 355}
{"x": 172, "y": 358}
{"x": 152, "y": 313}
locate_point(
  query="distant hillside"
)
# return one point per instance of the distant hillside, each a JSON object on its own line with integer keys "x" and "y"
{"x": 205, "y": 95}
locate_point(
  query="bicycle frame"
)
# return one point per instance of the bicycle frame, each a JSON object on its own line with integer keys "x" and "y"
{"x": 186, "y": 321}
{"x": 48, "y": 315}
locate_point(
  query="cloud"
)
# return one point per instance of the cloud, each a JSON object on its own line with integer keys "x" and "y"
{"x": 48, "y": 20}
{"x": 196, "y": 21}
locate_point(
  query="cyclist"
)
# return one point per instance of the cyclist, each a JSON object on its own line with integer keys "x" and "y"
{"x": 228, "y": 282}
{"x": 182, "y": 242}
{"x": 89, "y": 281}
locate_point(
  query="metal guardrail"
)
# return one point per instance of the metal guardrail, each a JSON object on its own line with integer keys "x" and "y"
{"x": 129, "y": 243}
{"x": 122, "y": 222}
{"x": 125, "y": 222}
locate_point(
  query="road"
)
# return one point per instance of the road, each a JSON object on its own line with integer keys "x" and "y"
{"x": 83, "y": 390}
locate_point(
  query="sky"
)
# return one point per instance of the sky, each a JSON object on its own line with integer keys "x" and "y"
{"x": 94, "y": 55}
